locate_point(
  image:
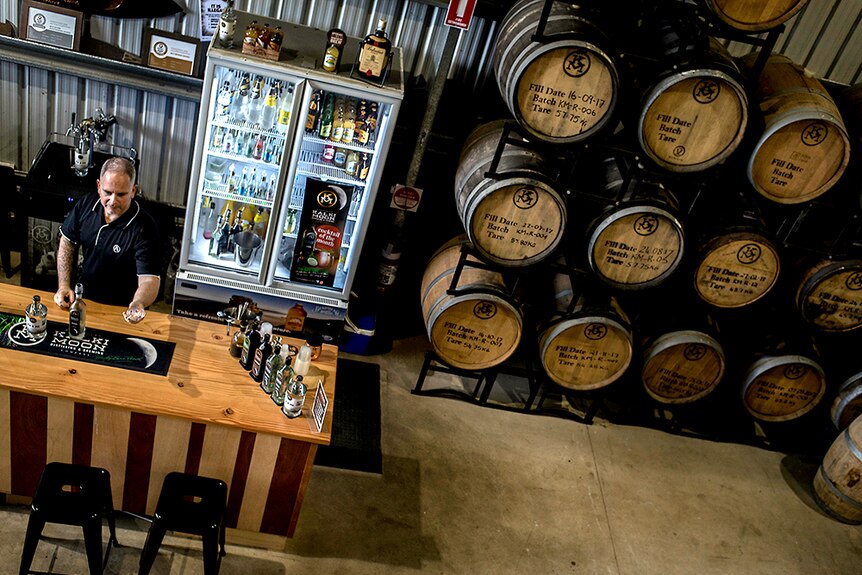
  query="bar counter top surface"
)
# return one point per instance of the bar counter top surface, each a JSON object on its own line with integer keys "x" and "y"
{"x": 204, "y": 383}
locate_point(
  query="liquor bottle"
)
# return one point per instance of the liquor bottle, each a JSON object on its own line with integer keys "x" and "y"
{"x": 224, "y": 234}
{"x": 210, "y": 222}
{"x": 352, "y": 163}
{"x": 37, "y": 316}
{"x": 267, "y": 116}
{"x": 215, "y": 239}
{"x": 295, "y": 318}
{"x": 269, "y": 152}
{"x": 231, "y": 182}
{"x": 228, "y": 142}
{"x": 259, "y": 144}
{"x": 227, "y": 26}
{"x": 295, "y": 397}
{"x": 363, "y": 167}
{"x": 250, "y": 39}
{"x": 233, "y": 231}
{"x": 78, "y": 314}
{"x": 371, "y": 122}
{"x": 284, "y": 111}
{"x": 263, "y": 36}
{"x": 261, "y": 220}
{"x": 326, "y": 118}
{"x": 270, "y": 369}
{"x": 282, "y": 380}
{"x": 250, "y": 345}
{"x": 360, "y": 128}
{"x": 335, "y": 40}
{"x": 372, "y": 60}
{"x": 275, "y": 40}
{"x": 218, "y": 138}
{"x": 270, "y": 190}
{"x": 313, "y": 112}
{"x": 338, "y": 124}
{"x": 349, "y": 124}
{"x": 224, "y": 99}
{"x": 261, "y": 355}
{"x": 253, "y": 108}
{"x": 238, "y": 340}
{"x": 291, "y": 221}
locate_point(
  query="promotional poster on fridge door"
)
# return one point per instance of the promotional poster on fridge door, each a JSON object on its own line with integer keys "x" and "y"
{"x": 321, "y": 230}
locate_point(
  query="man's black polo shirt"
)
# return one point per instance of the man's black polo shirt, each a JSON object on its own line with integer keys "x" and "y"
{"x": 115, "y": 254}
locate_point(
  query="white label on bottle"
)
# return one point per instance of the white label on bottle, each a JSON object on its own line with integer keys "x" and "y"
{"x": 226, "y": 30}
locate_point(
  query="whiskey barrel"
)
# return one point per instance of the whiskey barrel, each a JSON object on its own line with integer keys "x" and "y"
{"x": 783, "y": 386}
{"x": 829, "y": 296}
{"x": 637, "y": 242}
{"x": 804, "y": 148}
{"x": 693, "y": 113}
{"x": 737, "y": 262}
{"x": 847, "y": 404}
{"x": 515, "y": 218}
{"x": 754, "y": 15}
{"x": 588, "y": 344}
{"x": 474, "y": 329}
{"x": 682, "y": 366}
{"x": 838, "y": 482}
{"x": 562, "y": 88}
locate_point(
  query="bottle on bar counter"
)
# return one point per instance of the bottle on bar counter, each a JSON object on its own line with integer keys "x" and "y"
{"x": 282, "y": 379}
{"x": 250, "y": 345}
{"x": 273, "y": 364}
{"x": 78, "y": 314}
{"x": 37, "y": 316}
{"x": 294, "y": 398}
{"x": 260, "y": 358}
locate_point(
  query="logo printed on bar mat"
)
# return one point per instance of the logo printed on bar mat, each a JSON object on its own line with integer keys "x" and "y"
{"x": 97, "y": 346}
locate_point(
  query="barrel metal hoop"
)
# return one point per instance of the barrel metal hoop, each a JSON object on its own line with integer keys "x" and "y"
{"x": 851, "y": 444}
{"x": 837, "y": 492}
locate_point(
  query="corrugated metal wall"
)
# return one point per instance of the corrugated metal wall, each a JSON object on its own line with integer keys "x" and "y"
{"x": 826, "y": 37}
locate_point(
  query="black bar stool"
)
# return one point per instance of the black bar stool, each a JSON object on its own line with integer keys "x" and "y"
{"x": 72, "y": 495}
{"x": 189, "y": 504}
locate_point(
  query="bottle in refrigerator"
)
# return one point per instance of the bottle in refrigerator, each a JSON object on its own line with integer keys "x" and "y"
{"x": 267, "y": 116}
{"x": 224, "y": 99}
{"x": 349, "y": 124}
{"x": 224, "y": 235}
{"x": 326, "y": 118}
{"x": 338, "y": 123}
{"x": 228, "y": 142}
{"x": 363, "y": 167}
{"x": 284, "y": 111}
{"x": 360, "y": 130}
{"x": 215, "y": 239}
{"x": 227, "y": 26}
{"x": 254, "y": 103}
{"x": 261, "y": 221}
{"x": 328, "y": 153}
{"x": 259, "y": 145}
{"x": 210, "y": 221}
{"x": 351, "y": 163}
{"x": 340, "y": 157}
{"x": 218, "y": 138}
{"x": 313, "y": 115}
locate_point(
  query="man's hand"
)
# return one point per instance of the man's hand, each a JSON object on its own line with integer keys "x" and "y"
{"x": 135, "y": 313}
{"x": 64, "y": 297}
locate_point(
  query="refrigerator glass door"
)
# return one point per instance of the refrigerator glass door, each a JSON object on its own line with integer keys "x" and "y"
{"x": 324, "y": 204}
{"x": 245, "y": 141}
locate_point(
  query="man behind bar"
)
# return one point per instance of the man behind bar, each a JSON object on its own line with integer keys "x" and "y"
{"x": 120, "y": 245}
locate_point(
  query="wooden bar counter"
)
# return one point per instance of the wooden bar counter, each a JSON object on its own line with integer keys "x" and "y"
{"x": 206, "y": 416}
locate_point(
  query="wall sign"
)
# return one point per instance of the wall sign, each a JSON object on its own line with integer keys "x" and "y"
{"x": 171, "y": 52}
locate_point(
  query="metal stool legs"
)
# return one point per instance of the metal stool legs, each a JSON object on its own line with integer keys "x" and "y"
{"x": 72, "y": 495}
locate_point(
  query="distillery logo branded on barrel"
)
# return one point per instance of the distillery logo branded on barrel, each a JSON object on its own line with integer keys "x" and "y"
{"x": 576, "y": 64}
{"x": 814, "y": 134}
{"x": 748, "y": 254}
{"x": 646, "y": 225}
{"x": 854, "y": 281}
{"x": 485, "y": 310}
{"x": 694, "y": 352}
{"x": 706, "y": 91}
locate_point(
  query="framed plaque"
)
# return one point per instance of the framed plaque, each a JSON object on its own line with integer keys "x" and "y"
{"x": 171, "y": 52}
{"x": 49, "y": 24}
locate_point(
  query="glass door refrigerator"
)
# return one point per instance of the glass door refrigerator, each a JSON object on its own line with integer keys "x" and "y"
{"x": 285, "y": 171}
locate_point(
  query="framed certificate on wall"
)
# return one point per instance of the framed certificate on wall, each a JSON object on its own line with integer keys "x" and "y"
{"x": 171, "y": 52}
{"x": 49, "y": 24}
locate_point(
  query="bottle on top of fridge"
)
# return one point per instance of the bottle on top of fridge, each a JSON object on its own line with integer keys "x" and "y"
{"x": 372, "y": 59}
{"x": 78, "y": 314}
{"x": 36, "y": 315}
{"x": 335, "y": 40}
{"x": 227, "y": 26}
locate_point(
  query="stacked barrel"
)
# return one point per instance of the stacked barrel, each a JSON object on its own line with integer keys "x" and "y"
{"x": 675, "y": 218}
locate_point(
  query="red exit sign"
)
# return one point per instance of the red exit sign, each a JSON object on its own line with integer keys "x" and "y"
{"x": 460, "y": 13}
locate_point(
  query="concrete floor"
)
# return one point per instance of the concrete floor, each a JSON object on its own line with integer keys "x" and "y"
{"x": 468, "y": 489}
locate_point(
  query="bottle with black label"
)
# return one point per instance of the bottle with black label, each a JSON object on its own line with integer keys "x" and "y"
{"x": 260, "y": 357}
{"x": 78, "y": 314}
{"x": 273, "y": 365}
{"x": 249, "y": 346}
